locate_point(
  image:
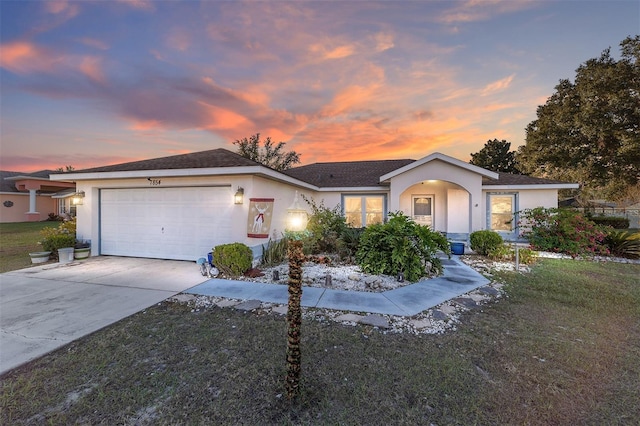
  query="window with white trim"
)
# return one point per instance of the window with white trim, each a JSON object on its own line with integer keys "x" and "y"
{"x": 501, "y": 211}
{"x": 363, "y": 210}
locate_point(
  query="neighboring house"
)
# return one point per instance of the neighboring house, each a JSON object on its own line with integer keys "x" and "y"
{"x": 30, "y": 197}
{"x": 179, "y": 207}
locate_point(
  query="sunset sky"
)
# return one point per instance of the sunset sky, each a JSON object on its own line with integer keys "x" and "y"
{"x": 95, "y": 83}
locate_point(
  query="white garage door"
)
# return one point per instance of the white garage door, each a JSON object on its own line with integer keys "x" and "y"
{"x": 165, "y": 223}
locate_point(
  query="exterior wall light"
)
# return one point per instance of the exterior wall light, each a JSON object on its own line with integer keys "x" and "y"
{"x": 296, "y": 216}
{"x": 238, "y": 198}
{"x": 78, "y": 198}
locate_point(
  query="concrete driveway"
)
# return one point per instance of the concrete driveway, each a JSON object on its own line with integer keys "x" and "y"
{"x": 45, "y": 307}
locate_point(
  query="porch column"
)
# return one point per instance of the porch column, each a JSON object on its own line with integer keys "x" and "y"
{"x": 32, "y": 201}
{"x": 32, "y": 215}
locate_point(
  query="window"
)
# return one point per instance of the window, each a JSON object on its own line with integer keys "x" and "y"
{"x": 502, "y": 208}
{"x": 363, "y": 210}
{"x": 423, "y": 209}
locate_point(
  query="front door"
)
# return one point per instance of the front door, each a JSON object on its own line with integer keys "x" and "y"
{"x": 422, "y": 206}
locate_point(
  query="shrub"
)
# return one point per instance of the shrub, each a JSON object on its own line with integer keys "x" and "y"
{"x": 562, "y": 231}
{"x": 401, "y": 245}
{"x": 325, "y": 227}
{"x": 507, "y": 253}
{"x": 612, "y": 221}
{"x": 232, "y": 259}
{"x": 623, "y": 243}
{"x": 482, "y": 242}
{"x": 349, "y": 242}
{"x": 275, "y": 252}
{"x": 62, "y": 236}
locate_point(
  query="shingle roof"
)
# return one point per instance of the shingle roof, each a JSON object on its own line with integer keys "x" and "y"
{"x": 511, "y": 179}
{"x": 10, "y": 185}
{"x": 196, "y": 160}
{"x": 346, "y": 174}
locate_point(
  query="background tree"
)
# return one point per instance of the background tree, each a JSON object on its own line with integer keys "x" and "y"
{"x": 271, "y": 155}
{"x": 65, "y": 169}
{"x": 589, "y": 131}
{"x": 496, "y": 156}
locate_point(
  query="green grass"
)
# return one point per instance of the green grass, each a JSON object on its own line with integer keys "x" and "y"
{"x": 17, "y": 240}
{"x": 562, "y": 348}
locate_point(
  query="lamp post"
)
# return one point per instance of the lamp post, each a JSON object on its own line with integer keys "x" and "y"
{"x": 296, "y": 224}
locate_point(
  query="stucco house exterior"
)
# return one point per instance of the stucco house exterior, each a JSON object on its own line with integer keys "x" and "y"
{"x": 181, "y": 206}
{"x": 30, "y": 197}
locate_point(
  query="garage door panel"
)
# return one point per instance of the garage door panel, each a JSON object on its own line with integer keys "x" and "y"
{"x": 167, "y": 223}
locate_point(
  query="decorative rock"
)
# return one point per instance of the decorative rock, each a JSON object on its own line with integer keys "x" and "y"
{"x": 249, "y": 305}
{"x": 489, "y": 290}
{"x": 440, "y": 316}
{"x": 467, "y": 302}
{"x": 375, "y": 320}
{"x": 420, "y": 324}
{"x": 280, "y": 309}
{"x": 224, "y": 303}
{"x": 448, "y": 309}
{"x": 478, "y": 297}
{"x": 354, "y": 277}
{"x": 183, "y": 297}
{"x": 349, "y": 318}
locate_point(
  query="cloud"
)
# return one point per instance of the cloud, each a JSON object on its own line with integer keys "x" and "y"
{"x": 498, "y": 86}
{"x": 23, "y": 57}
{"x": 91, "y": 66}
{"x": 481, "y": 10}
{"x": 62, "y": 8}
{"x": 146, "y": 5}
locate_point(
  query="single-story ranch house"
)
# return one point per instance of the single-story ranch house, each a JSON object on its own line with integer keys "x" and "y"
{"x": 31, "y": 197}
{"x": 181, "y": 206}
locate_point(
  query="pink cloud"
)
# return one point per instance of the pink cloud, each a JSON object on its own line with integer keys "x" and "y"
{"x": 91, "y": 66}
{"x": 23, "y": 57}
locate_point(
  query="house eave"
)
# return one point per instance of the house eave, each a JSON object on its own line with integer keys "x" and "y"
{"x": 164, "y": 173}
{"x": 354, "y": 189}
{"x": 533, "y": 186}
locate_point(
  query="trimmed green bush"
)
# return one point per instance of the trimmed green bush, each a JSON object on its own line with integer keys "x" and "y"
{"x": 483, "y": 242}
{"x": 232, "y": 259}
{"x": 401, "y": 246}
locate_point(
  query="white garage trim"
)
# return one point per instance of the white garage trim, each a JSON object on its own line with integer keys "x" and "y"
{"x": 181, "y": 223}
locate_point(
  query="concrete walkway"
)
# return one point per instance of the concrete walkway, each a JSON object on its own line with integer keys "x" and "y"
{"x": 409, "y": 300}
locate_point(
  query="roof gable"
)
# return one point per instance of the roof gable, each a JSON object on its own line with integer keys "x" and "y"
{"x": 436, "y": 156}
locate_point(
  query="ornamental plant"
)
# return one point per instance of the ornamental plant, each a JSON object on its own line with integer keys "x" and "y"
{"x": 483, "y": 242}
{"x": 325, "y": 227}
{"x": 62, "y": 236}
{"x": 562, "y": 231}
{"x": 401, "y": 246}
{"x": 232, "y": 259}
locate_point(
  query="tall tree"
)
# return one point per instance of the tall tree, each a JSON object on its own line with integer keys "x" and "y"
{"x": 589, "y": 131}
{"x": 271, "y": 155}
{"x": 496, "y": 156}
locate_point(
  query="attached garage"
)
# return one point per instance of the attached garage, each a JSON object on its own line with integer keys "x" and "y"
{"x": 181, "y": 223}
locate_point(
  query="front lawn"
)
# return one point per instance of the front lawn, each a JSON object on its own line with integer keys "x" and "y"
{"x": 17, "y": 240}
{"x": 562, "y": 348}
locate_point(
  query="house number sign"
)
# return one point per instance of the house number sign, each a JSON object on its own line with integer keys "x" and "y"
{"x": 153, "y": 182}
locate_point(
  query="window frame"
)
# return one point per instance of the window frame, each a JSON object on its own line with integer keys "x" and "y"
{"x": 363, "y": 205}
{"x": 514, "y": 213}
